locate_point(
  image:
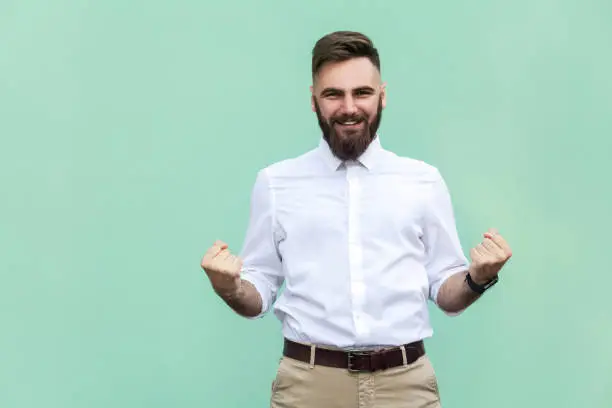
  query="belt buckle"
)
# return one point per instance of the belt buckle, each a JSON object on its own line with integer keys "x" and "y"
{"x": 353, "y": 354}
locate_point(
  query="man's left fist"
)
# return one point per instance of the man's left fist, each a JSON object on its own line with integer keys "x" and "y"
{"x": 489, "y": 257}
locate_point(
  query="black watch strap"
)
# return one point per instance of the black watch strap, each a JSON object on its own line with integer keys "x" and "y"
{"x": 480, "y": 289}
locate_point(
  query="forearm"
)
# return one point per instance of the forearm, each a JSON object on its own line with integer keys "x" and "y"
{"x": 245, "y": 301}
{"x": 455, "y": 294}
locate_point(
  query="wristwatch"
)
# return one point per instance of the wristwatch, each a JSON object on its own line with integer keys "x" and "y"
{"x": 480, "y": 289}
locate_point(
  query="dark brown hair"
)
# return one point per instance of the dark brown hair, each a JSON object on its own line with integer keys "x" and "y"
{"x": 341, "y": 46}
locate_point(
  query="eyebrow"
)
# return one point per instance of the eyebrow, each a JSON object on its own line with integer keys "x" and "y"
{"x": 341, "y": 91}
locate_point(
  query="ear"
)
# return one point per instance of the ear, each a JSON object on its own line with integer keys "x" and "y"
{"x": 312, "y": 104}
{"x": 383, "y": 94}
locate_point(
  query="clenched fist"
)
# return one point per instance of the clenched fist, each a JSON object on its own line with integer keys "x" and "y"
{"x": 223, "y": 268}
{"x": 489, "y": 256}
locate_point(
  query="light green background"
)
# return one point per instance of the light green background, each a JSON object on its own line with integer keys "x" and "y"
{"x": 131, "y": 135}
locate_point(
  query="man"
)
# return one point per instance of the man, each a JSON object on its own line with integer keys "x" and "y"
{"x": 362, "y": 239}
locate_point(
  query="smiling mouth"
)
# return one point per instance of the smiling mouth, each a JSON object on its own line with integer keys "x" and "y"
{"x": 349, "y": 123}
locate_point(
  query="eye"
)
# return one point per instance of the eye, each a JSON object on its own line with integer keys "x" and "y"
{"x": 363, "y": 92}
{"x": 331, "y": 94}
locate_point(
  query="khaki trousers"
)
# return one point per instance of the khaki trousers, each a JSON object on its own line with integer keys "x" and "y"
{"x": 300, "y": 385}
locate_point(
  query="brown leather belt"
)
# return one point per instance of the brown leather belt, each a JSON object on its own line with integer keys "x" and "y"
{"x": 356, "y": 361}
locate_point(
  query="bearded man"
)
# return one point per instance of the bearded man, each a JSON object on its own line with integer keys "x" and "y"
{"x": 362, "y": 239}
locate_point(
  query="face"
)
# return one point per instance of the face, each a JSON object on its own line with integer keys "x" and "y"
{"x": 348, "y": 98}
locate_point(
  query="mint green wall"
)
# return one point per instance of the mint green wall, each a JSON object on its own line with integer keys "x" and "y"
{"x": 131, "y": 135}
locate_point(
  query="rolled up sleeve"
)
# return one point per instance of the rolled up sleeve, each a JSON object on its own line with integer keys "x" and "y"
{"x": 445, "y": 255}
{"x": 261, "y": 261}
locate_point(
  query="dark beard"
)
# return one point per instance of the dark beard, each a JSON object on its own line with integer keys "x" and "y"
{"x": 351, "y": 146}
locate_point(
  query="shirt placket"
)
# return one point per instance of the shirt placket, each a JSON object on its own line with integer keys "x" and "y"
{"x": 355, "y": 250}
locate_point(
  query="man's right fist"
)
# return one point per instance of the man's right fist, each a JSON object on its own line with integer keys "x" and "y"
{"x": 223, "y": 268}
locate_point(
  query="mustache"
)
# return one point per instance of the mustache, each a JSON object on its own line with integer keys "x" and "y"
{"x": 348, "y": 118}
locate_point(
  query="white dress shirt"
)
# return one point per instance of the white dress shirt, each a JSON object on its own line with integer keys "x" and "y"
{"x": 360, "y": 246}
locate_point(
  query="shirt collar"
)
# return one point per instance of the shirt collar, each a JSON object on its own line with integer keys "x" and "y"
{"x": 368, "y": 158}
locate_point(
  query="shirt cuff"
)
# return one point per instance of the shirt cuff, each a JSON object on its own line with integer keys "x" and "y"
{"x": 435, "y": 289}
{"x": 264, "y": 292}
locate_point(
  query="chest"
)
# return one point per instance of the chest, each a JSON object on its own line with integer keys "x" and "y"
{"x": 362, "y": 205}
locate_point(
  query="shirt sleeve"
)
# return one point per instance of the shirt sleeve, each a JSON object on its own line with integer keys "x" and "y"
{"x": 444, "y": 254}
{"x": 261, "y": 261}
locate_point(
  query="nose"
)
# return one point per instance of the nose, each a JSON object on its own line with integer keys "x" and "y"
{"x": 349, "y": 106}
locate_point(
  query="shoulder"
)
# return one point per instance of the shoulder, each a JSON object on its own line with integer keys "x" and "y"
{"x": 413, "y": 168}
{"x": 302, "y": 165}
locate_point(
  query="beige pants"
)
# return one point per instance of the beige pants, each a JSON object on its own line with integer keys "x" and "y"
{"x": 300, "y": 385}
